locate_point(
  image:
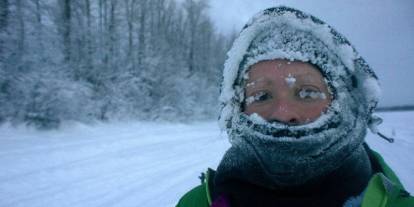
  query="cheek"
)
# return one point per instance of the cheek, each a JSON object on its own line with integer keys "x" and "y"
{"x": 263, "y": 110}
{"x": 314, "y": 110}
{"x": 250, "y": 109}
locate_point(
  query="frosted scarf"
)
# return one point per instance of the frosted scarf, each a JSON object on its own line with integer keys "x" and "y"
{"x": 276, "y": 155}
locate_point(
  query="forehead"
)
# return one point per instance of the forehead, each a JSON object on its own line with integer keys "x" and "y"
{"x": 276, "y": 69}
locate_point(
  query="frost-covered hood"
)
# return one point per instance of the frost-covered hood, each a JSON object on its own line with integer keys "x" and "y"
{"x": 284, "y": 33}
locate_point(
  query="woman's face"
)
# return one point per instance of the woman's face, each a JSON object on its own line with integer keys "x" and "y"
{"x": 290, "y": 92}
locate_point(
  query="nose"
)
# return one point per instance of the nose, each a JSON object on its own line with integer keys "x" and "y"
{"x": 284, "y": 112}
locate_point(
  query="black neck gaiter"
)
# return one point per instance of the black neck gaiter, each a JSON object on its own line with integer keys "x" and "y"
{"x": 331, "y": 190}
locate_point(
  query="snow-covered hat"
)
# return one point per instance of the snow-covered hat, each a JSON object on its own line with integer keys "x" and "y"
{"x": 287, "y": 33}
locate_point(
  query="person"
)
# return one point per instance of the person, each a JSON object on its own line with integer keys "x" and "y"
{"x": 297, "y": 100}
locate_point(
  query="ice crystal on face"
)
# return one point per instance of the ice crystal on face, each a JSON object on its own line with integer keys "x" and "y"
{"x": 279, "y": 65}
{"x": 257, "y": 118}
{"x": 290, "y": 80}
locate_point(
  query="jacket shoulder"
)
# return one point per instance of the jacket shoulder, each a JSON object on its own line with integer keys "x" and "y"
{"x": 381, "y": 191}
{"x": 199, "y": 196}
{"x": 385, "y": 189}
{"x": 196, "y": 197}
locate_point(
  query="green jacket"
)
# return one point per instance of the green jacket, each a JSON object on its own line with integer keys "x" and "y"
{"x": 383, "y": 190}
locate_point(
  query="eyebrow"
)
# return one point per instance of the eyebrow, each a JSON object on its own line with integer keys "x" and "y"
{"x": 261, "y": 81}
{"x": 303, "y": 77}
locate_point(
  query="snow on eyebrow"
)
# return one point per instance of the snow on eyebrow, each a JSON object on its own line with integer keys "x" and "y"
{"x": 309, "y": 79}
{"x": 253, "y": 83}
{"x": 290, "y": 80}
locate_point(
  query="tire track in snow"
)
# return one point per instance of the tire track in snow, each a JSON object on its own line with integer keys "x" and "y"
{"x": 128, "y": 141}
{"x": 85, "y": 181}
{"x": 80, "y": 143}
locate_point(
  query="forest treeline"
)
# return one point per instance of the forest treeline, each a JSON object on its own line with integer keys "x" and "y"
{"x": 88, "y": 60}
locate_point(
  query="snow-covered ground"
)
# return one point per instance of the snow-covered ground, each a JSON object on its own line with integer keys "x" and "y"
{"x": 138, "y": 164}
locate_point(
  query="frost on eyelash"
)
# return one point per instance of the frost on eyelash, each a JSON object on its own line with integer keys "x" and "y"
{"x": 312, "y": 94}
{"x": 290, "y": 80}
{"x": 249, "y": 100}
{"x": 250, "y": 84}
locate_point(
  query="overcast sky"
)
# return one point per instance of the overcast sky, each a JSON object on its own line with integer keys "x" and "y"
{"x": 381, "y": 30}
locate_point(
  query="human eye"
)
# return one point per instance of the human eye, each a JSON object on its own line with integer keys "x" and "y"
{"x": 258, "y": 97}
{"x": 310, "y": 93}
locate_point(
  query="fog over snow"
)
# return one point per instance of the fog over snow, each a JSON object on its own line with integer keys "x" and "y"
{"x": 382, "y": 31}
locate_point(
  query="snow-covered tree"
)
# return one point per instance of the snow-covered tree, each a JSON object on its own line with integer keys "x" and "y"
{"x": 86, "y": 60}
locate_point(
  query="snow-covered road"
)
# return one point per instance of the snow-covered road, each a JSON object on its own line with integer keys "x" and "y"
{"x": 138, "y": 164}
